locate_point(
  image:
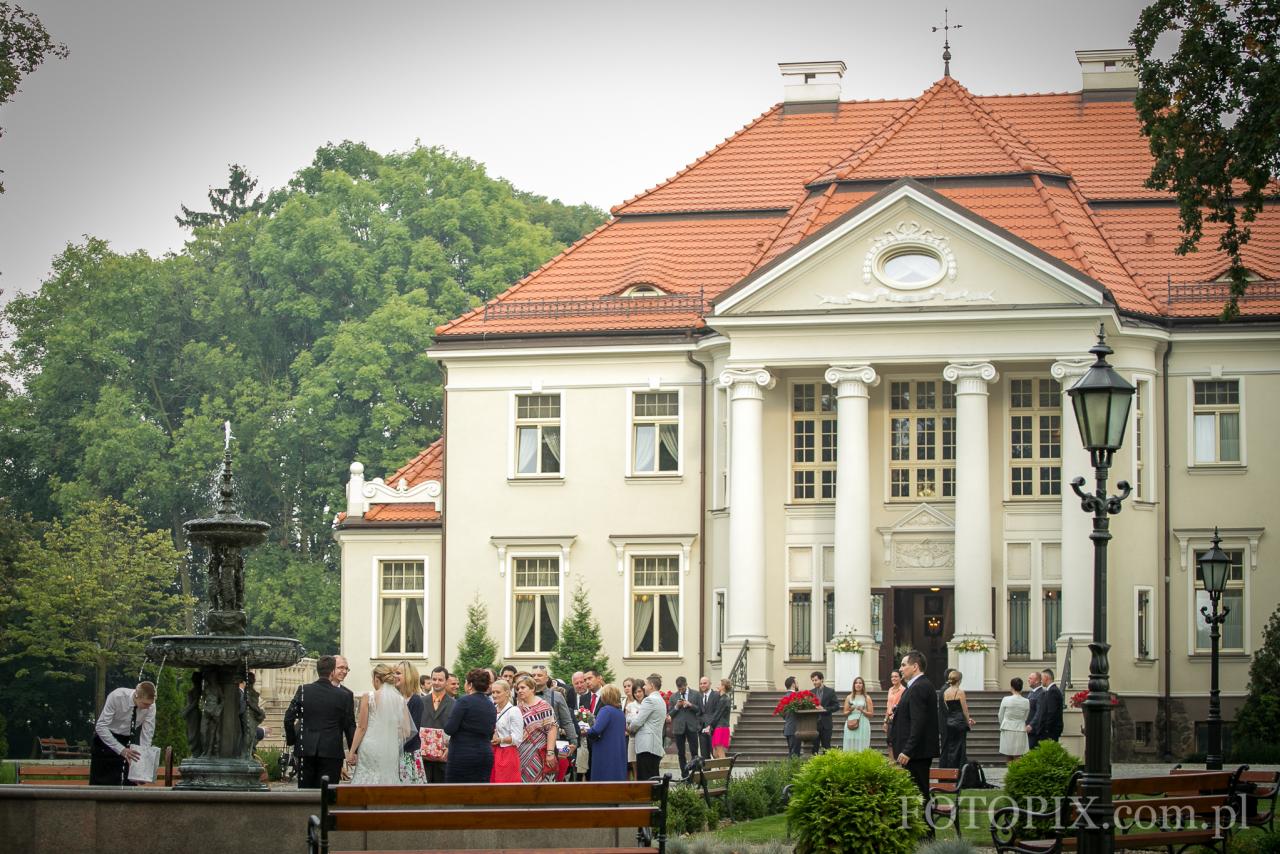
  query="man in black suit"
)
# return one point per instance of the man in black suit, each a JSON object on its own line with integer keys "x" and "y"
{"x": 1049, "y": 727}
{"x": 827, "y": 704}
{"x": 435, "y": 712}
{"x": 915, "y": 724}
{"x": 1033, "y": 712}
{"x": 326, "y": 712}
{"x": 685, "y": 709}
{"x": 711, "y": 703}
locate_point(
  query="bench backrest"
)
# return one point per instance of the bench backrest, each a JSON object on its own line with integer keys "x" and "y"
{"x": 713, "y": 775}
{"x": 1202, "y": 782}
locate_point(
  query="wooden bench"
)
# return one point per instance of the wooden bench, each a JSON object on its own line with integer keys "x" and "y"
{"x": 943, "y": 803}
{"x": 1259, "y": 789}
{"x": 77, "y": 774}
{"x": 1175, "y": 811}
{"x": 713, "y": 776}
{"x": 57, "y": 748}
{"x": 493, "y": 806}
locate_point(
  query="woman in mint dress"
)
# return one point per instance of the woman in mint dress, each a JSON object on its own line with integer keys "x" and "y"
{"x": 859, "y": 708}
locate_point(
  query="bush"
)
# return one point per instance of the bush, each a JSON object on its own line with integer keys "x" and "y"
{"x": 1254, "y": 841}
{"x": 1255, "y": 751}
{"x": 1037, "y": 779}
{"x": 4, "y": 736}
{"x": 270, "y": 759}
{"x": 687, "y": 812}
{"x": 772, "y": 777}
{"x": 854, "y": 802}
{"x": 748, "y": 798}
{"x": 948, "y": 846}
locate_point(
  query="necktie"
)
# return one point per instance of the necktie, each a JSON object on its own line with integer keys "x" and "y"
{"x": 706, "y": 698}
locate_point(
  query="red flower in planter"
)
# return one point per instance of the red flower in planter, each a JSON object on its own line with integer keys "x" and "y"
{"x": 1078, "y": 698}
{"x": 795, "y": 701}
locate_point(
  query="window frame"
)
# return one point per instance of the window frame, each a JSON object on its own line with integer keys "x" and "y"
{"x": 1049, "y": 592}
{"x": 375, "y": 622}
{"x": 677, "y": 548}
{"x": 513, "y": 431}
{"x": 1035, "y": 462}
{"x": 509, "y": 629}
{"x": 1192, "y": 462}
{"x": 819, "y": 467}
{"x": 1150, "y": 621}
{"x": 1023, "y": 587}
{"x": 819, "y": 588}
{"x": 1142, "y": 439}
{"x": 939, "y": 463}
{"x": 510, "y": 548}
{"x": 1191, "y": 541}
{"x": 630, "y": 419}
{"x": 719, "y": 621}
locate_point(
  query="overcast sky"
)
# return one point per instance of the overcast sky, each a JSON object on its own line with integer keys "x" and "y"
{"x": 581, "y": 101}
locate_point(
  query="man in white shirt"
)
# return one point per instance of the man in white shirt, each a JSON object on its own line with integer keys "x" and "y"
{"x": 127, "y": 722}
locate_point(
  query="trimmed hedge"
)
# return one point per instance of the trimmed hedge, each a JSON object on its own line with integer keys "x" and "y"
{"x": 855, "y": 802}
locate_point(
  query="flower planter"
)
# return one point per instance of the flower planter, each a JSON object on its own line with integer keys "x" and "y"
{"x": 807, "y": 726}
{"x": 973, "y": 667}
{"x": 845, "y": 667}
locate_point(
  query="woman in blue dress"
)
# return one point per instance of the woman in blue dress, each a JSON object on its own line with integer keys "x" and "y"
{"x": 859, "y": 708}
{"x": 608, "y": 738}
{"x": 470, "y": 729}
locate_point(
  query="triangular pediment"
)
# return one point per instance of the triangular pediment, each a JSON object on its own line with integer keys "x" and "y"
{"x": 909, "y": 247}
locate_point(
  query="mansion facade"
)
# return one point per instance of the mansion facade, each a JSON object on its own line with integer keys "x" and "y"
{"x": 814, "y": 387}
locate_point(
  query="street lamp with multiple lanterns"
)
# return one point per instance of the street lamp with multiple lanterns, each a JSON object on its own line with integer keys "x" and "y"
{"x": 1101, "y": 400}
{"x": 1214, "y": 567}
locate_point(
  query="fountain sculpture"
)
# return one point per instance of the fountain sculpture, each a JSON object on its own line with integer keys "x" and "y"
{"x": 221, "y": 720}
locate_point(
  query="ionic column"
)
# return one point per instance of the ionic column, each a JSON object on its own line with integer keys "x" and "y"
{"x": 1076, "y": 548}
{"x": 853, "y": 507}
{"x": 746, "y": 618}
{"x": 973, "y": 500}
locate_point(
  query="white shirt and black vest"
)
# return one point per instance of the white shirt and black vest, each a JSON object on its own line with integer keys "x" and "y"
{"x": 115, "y": 723}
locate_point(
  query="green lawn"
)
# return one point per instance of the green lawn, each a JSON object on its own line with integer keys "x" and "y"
{"x": 771, "y": 828}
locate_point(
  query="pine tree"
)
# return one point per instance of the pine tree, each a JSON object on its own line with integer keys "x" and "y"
{"x": 476, "y": 649}
{"x": 579, "y": 647}
{"x": 171, "y": 699}
{"x": 1261, "y": 711}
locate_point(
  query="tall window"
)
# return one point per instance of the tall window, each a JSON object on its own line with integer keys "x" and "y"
{"x": 537, "y": 434}
{"x": 1142, "y": 614}
{"x": 1141, "y": 442}
{"x": 801, "y": 604}
{"x": 922, "y": 439}
{"x": 1052, "y": 621}
{"x": 813, "y": 442}
{"x": 536, "y": 608}
{"x": 1233, "y": 597}
{"x": 719, "y": 617}
{"x": 402, "y": 607}
{"x": 1217, "y": 421}
{"x": 1019, "y": 624}
{"x": 655, "y": 603}
{"x": 1035, "y": 438}
{"x": 655, "y": 432}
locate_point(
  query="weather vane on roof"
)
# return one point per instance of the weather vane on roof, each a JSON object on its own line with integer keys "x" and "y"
{"x": 946, "y": 28}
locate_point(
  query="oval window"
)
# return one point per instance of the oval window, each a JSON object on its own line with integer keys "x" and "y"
{"x": 912, "y": 268}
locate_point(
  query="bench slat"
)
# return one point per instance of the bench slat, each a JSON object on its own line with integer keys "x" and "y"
{"x": 1165, "y": 784}
{"x": 469, "y": 819}
{"x": 494, "y": 794}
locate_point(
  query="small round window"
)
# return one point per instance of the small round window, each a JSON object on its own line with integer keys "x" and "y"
{"x": 911, "y": 268}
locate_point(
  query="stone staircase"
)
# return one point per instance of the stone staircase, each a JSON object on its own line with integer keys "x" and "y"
{"x": 758, "y": 734}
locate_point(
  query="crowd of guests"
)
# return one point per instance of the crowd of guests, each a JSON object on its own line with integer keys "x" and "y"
{"x": 923, "y": 724}
{"x": 508, "y": 727}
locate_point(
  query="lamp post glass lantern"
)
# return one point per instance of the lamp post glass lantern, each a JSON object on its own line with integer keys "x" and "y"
{"x": 1214, "y": 567}
{"x": 1101, "y": 401}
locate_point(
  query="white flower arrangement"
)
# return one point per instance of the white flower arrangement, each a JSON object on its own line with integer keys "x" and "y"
{"x": 971, "y": 645}
{"x": 844, "y": 641}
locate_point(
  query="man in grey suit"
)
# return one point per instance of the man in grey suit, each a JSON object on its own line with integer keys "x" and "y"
{"x": 435, "y": 712}
{"x": 685, "y": 708}
{"x": 647, "y": 729}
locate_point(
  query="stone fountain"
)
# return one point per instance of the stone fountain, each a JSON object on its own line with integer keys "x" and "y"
{"x": 221, "y": 720}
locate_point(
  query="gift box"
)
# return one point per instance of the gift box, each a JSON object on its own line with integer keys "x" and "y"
{"x": 435, "y": 744}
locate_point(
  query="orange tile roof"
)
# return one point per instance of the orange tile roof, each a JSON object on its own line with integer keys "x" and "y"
{"x": 426, "y": 466}
{"x": 402, "y": 513}
{"x": 1062, "y": 173}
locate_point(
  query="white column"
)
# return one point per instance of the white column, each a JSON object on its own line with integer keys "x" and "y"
{"x": 853, "y": 507}
{"x": 973, "y": 501}
{"x": 1077, "y": 548}
{"x": 747, "y": 593}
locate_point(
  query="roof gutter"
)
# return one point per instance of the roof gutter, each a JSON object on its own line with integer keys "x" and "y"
{"x": 444, "y": 491}
{"x": 1166, "y": 736}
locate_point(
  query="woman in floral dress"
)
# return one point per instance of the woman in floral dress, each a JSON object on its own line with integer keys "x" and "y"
{"x": 538, "y": 747}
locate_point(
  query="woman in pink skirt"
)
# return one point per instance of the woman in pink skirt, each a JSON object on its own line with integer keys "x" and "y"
{"x": 720, "y": 726}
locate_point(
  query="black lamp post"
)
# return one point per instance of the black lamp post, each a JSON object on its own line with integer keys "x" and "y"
{"x": 1101, "y": 400}
{"x": 1215, "y": 566}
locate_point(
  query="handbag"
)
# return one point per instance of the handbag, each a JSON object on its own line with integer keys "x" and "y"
{"x": 435, "y": 744}
{"x": 853, "y": 722}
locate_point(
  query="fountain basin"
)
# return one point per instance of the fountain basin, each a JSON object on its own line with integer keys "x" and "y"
{"x": 249, "y": 651}
{"x": 229, "y": 530}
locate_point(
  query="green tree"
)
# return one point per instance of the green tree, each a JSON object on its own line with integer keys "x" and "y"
{"x": 24, "y": 44}
{"x": 171, "y": 698}
{"x": 90, "y": 593}
{"x": 580, "y": 645}
{"x": 476, "y": 649}
{"x": 1261, "y": 711}
{"x": 1212, "y": 115}
{"x": 229, "y": 203}
{"x": 290, "y": 595}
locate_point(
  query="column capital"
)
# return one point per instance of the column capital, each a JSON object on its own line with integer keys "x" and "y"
{"x": 852, "y": 380}
{"x": 970, "y": 377}
{"x": 747, "y": 382}
{"x": 1070, "y": 368}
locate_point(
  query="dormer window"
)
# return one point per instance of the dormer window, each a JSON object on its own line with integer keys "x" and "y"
{"x": 642, "y": 290}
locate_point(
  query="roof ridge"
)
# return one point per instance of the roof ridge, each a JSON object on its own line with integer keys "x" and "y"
{"x": 1060, "y": 222}
{"x": 564, "y": 253}
{"x": 877, "y": 139}
{"x": 768, "y": 245}
{"x": 616, "y": 209}
{"x": 986, "y": 117}
{"x": 1111, "y": 244}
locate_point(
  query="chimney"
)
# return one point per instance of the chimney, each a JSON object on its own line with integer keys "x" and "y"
{"x": 811, "y": 87}
{"x": 1108, "y": 75}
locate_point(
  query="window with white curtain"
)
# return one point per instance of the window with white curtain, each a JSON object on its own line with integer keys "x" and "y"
{"x": 655, "y": 432}
{"x": 1216, "y": 414}
{"x": 1233, "y": 599}
{"x": 536, "y": 606}
{"x": 537, "y": 434}
{"x": 922, "y": 439}
{"x": 655, "y": 604}
{"x": 402, "y": 607}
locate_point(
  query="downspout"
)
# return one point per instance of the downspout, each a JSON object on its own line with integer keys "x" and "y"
{"x": 702, "y": 513}
{"x": 1167, "y": 734}
{"x": 444, "y": 492}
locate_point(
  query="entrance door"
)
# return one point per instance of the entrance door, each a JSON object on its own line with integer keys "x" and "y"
{"x": 923, "y": 619}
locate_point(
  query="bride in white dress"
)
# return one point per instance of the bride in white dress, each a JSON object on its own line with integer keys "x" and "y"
{"x": 382, "y": 728}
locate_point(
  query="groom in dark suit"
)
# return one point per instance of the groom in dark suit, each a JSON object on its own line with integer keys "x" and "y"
{"x": 828, "y": 705}
{"x": 915, "y": 722}
{"x": 326, "y": 712}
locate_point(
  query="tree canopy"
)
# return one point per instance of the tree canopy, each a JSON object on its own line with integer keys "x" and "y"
{"x": 1212, "y": 115}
